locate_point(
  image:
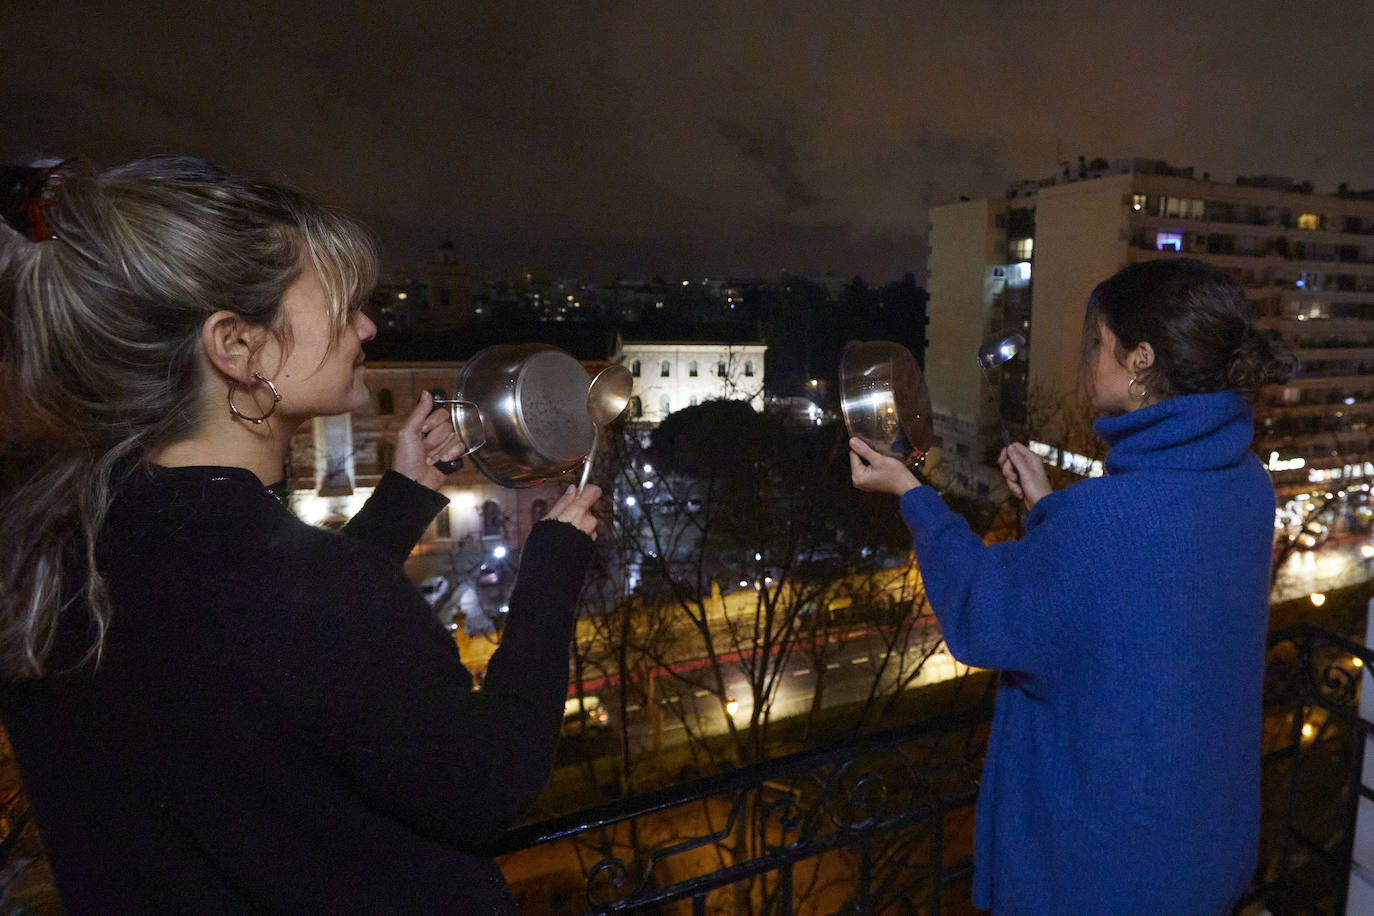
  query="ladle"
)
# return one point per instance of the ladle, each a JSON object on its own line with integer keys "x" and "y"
{"x": 1000, "y": 348}
{"x": 607, "y": 397}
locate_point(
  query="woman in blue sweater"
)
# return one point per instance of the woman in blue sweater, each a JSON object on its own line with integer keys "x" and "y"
{"x": 1122, "y": 770}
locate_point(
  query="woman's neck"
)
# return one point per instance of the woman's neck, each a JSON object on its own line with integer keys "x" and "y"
{"x": 259, "y": 448}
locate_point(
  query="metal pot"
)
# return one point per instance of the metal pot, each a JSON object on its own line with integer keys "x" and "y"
{"x": 532, "y": 404}
{"x": 884, "y": 399}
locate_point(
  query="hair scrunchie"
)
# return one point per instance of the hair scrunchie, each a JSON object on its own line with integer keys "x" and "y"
{"x": 25, "y": 193}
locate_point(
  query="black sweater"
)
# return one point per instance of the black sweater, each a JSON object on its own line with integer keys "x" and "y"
{"x": 279, "y": 723}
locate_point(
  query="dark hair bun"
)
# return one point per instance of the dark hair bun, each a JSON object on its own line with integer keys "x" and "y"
{"x": 1260, "y": 359}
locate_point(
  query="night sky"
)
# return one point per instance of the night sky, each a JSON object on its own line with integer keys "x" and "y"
{"x": 710, "y": 137}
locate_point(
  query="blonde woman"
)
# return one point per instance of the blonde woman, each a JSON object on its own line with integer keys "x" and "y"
{"x": 215, "y": 707}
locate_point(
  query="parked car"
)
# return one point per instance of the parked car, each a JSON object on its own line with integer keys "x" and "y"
{"x": 435, "y": 589}
{"x": 584, "y": 714}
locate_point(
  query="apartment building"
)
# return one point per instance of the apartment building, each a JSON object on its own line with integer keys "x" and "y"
{"x": 1029, "y": 260}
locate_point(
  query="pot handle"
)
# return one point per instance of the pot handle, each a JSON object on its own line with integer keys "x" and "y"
{"x": 466, "y": 417}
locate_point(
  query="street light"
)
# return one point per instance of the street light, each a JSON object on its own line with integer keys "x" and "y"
{"x": 1317, "y": 598}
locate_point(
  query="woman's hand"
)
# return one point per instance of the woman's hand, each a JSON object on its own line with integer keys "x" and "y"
{"x": 1024, "y": 473}
{"x": 881, "y": 473}
{"x": 426, "y": 436}
{"x": 577, "y": 510}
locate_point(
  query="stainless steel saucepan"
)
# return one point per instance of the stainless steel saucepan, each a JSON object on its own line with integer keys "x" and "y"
{"x": 884, "y": 399}
{"x": 521, "y": 412}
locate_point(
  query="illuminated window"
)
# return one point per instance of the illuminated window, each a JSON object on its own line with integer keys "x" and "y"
{"x": 720, "y": 369}
{"x": 1021, "y": 249}
{"x": 636, "y": 407}
{"x": 634, "y": 368}
{"x": 1137, "y": 202}
{"x": 663, "y": 369}
{"x": 1181, "y": 208}
{"x": 692, "y": 401}
{"x": 692, "y": 369}
{"x": 1309, "y": 221}
{"x": 664, "y": 406}
{"x": 1169, "y": 241}
{"x": 749, "y": 368}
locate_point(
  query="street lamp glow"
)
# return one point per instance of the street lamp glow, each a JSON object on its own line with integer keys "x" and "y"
{"x": 1317, "y": 598}
{"x": 1367, "y": 550}
{"x": 731, "y": 707}
{"x": 499, "y": 551}
{"x": 630, "y": 501}
{"x": 1357, "y": 662}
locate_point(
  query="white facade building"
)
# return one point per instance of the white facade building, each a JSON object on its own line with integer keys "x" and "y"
{"x": 671, "y": 375}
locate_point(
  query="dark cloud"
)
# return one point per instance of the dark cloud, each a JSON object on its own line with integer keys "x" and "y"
{"x": 688, "y": 136}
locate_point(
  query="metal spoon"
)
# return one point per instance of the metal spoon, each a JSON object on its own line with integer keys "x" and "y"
{"x": 607, "y": 397}
{"x": 1000, "y": 348}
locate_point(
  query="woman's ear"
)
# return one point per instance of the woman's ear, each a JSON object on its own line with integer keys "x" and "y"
{"x": 230, "y": 344}
{"x": 1141, "y": 358}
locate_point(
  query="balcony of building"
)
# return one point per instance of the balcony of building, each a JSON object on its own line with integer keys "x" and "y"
{"x": 883, "y": 823}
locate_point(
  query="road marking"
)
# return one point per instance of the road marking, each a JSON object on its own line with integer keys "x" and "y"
{"x": 832, "y": 666}
{"x": 801, "y": 672}
{"x": 700, "y": 693}
{"x": 858, "y": 661}
{"x": 634, "y": 708}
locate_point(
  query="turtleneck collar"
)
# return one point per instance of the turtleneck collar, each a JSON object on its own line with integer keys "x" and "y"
{"x": 1195, "y": 432}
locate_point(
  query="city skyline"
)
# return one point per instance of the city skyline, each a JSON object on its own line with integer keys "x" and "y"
{"x": 688, "y": 140}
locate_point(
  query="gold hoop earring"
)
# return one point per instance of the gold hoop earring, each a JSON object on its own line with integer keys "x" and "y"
{"x": 1130, "y": 389}
{"x": 276, "y": 399}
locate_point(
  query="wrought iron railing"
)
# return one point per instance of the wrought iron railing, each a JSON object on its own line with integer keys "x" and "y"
{"x": 849, "y": 822}
{"x": 1315, "y": 745}
{"x": 882, "y": 823}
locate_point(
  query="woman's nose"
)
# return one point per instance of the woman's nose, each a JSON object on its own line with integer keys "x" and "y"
{"x": 364, "y": 326}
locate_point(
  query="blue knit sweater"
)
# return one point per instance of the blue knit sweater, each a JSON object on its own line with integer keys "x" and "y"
{"x": 1122, "y": 770}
